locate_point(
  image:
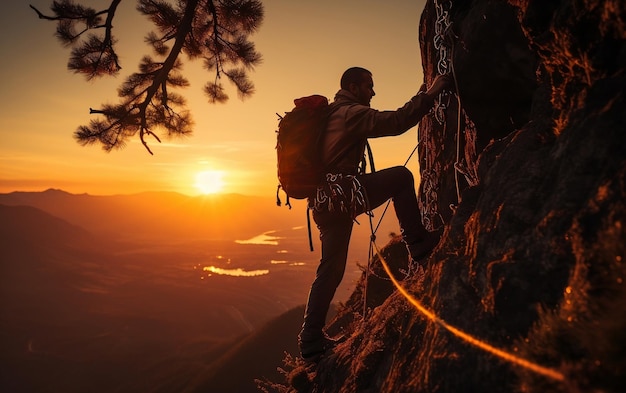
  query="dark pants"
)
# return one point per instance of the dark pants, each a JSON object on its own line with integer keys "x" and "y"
{"x": 335, "y": 229}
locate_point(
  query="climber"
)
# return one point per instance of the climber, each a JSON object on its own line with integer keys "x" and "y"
{"x": 350, "y": 192}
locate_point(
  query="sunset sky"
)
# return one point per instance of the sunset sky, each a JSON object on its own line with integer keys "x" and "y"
{"x": 306, "y": 45}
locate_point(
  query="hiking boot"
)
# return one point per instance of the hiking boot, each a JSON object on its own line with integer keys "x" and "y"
{"x": 312, "y": 351}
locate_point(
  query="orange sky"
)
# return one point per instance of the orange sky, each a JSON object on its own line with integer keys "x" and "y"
{"x": 306, "y": 45}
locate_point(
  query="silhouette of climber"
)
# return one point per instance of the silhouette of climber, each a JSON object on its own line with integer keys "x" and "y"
{"x": 350, "y": 192}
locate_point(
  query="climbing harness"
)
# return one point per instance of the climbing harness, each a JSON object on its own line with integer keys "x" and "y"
{"x": 340, "y": 193}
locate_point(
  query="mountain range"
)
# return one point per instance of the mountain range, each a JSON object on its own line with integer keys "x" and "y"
{"x": 104, "y": 311}
{"x": 161, "y": 215}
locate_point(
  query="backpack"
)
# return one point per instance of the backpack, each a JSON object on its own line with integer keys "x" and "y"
{"x": 299, "y": 137}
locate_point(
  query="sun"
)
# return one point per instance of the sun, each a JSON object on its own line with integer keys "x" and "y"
{"x": 209, "y": 182}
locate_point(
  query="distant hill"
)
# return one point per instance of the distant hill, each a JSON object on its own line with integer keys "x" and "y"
{"x": 253, "y": 356}
{"x": 80, "y": 316}
{"x": 20, "y": 223}
{"x": 256, "y": 357}
{"x": 162, "y": 215}
{"x": 43, "y": 265}
{"x": 158, "y": 217}
{"x": 39, "y": 253}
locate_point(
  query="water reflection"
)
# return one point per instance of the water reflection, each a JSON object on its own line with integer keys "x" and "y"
{"x": 275, "y": 262}
{"x": 235, "y": 272}
{"x": 265, "y": 238}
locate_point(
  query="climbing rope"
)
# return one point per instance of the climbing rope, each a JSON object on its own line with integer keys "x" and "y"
{"x": 458, "y": 136}
{"x": 506, "y": 356}
{"x": 374, "y": 229}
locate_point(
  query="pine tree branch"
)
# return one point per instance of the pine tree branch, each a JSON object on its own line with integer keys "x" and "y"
{"x": 161, "y": 77}
{"x": 210, "y": 29}
{"x": 78, "y": 62}
{"x": 108, "y": 35}
{"x": 57, "y": 18}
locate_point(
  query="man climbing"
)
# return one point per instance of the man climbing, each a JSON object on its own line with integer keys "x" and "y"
{"x": 350, "y": 192}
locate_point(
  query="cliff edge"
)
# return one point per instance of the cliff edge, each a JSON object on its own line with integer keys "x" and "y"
{"x": 525, "y": 172}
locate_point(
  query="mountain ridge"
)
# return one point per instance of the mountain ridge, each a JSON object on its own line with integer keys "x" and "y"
{"x": 160, "y": 215}
{"x": 39, "y": 226}
{"x": 168, "y": 218}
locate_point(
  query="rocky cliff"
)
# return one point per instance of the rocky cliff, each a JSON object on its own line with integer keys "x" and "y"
{"x": 524, "y": 171}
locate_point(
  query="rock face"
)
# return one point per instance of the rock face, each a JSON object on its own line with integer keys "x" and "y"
{"x": 530, "y": 191}
{"x": 483, "y": 46}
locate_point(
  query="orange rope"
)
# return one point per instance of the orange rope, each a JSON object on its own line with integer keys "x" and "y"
{"x": 545, "y": 371}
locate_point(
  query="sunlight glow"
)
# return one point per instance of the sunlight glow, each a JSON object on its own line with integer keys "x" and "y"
{"x": 209, "y": 182}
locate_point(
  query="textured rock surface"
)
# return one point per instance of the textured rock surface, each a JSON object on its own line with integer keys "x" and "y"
{"x": 532, "y": 256}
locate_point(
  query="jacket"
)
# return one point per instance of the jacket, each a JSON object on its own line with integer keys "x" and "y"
{"x": 350, "y": 125}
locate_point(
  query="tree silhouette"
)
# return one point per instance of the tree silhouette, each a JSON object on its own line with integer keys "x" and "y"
{"x": 213, "y": 31}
